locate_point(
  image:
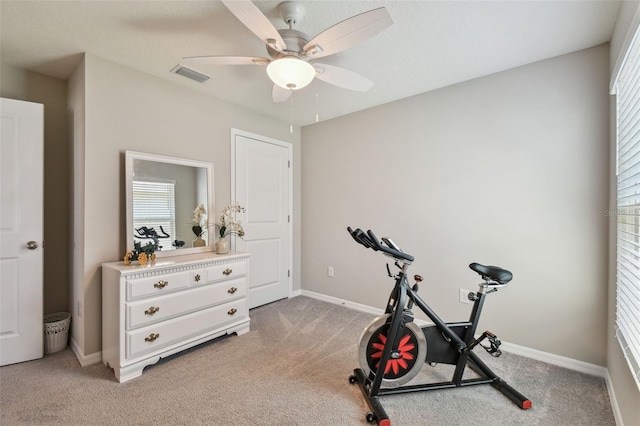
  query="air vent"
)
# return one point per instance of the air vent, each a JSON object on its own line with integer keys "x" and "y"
{"x": 189, "y": 73}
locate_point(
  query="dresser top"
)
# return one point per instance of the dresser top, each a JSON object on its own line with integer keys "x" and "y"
{"x": 184, "y": 260}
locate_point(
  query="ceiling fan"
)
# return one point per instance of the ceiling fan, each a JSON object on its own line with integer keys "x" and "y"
{"x": 292, "y": 64}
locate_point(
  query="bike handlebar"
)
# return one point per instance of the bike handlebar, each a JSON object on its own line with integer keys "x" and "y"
{"x": 369, "y": 240}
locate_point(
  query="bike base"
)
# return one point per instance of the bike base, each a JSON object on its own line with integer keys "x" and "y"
{"x": 377, "y": 413}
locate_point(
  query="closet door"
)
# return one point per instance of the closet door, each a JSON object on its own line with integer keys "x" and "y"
{"x": 262, "y": 184}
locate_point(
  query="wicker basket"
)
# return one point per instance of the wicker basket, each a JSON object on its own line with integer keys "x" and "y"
{"x": 56, "y": 331}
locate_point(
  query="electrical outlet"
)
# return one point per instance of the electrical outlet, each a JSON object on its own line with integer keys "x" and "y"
{"x": 464, "y": 296}
{"x": 330, "y": 271}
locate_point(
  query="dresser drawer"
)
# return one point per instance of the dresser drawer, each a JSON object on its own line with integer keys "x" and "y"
{"x": 166, "y": 333}
{"x": 156, "y": 285}
{"x": 227, "y": 270}
{"x": 151, "y": 310}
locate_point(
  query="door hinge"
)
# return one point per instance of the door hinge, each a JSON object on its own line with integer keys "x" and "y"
{"x": 288, "y": 272}
{"x": 288, "y": 218}
{"x": 289, "y": 163}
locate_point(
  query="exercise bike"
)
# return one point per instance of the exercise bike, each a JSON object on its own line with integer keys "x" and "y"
{"x": 393, "y": 348}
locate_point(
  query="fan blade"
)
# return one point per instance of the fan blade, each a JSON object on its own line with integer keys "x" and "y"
{"x": 280, "y": 94}
{"x": 227, "y": 60}
{"x": 342, "y": 78}
{"x": 348, "y": 33}
{"x": 252, "y": 18}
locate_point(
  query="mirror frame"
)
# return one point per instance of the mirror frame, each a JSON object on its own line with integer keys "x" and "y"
{"x": 130, "y": 158}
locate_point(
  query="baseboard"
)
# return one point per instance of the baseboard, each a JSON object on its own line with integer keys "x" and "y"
{"x": 617, "y": 415}
{"x": 561, "y": 361}
{"x": 345, "y": 303}
{"x": 83, "y": 359}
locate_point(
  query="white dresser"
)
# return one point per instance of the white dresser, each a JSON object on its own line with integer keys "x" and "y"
{"x": 150, "y": 312}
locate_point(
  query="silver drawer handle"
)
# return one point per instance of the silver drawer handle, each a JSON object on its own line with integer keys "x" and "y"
{"x": 227, "y": 271}
{"x": 161, "y": 284}
{"x": 232, "y": 311}
{"x": 151, "y": 337}
{"x": 152, "y": 310}
{"x": 232, "y": 290}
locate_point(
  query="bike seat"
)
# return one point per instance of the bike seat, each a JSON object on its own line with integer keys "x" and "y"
{"x": 492, "y": 273}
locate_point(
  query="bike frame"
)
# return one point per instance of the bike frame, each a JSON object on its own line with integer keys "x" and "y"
{"x": 400, "y": 303}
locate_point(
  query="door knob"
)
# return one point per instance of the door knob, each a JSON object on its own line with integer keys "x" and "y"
{"x": 32, "y": 245}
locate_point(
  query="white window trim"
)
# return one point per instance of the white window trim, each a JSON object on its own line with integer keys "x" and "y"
{"x": 626, "y": 87}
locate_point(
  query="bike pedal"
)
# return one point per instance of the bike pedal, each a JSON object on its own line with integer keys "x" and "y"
{"x": 494, "y": 345}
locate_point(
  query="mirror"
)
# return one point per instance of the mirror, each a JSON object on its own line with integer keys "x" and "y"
{"x": 162, "y": 193}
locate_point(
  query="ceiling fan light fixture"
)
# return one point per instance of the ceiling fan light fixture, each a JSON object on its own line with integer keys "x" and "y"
{"x": 291, "y": 73}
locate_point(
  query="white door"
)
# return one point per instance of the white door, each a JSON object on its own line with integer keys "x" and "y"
{"x": 262, "y": 184}
{"x": 21, "y": 231}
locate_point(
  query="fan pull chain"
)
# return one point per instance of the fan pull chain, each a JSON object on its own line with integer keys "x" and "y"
{"x": 291, "y": 113}
{"x": 317, "y": 115}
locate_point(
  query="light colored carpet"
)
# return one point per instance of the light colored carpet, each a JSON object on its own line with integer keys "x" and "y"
{"x": 292, "y": 368}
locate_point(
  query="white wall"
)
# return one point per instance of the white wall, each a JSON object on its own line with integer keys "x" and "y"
{"x": 130, "y": 110}
{"x": 77, "y": 107}
{"x": 509, "y": 170}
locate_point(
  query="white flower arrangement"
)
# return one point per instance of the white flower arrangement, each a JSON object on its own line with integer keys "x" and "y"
{"x": 200, "y": 220}
{"x": 227, "y": 225}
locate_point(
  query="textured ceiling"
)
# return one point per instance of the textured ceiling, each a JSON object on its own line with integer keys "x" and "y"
{"x": 431, "y": 44}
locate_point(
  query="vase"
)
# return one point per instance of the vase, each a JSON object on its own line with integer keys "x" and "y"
{"x": 222, "y": 246}
{"x": 199, "y": 242}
